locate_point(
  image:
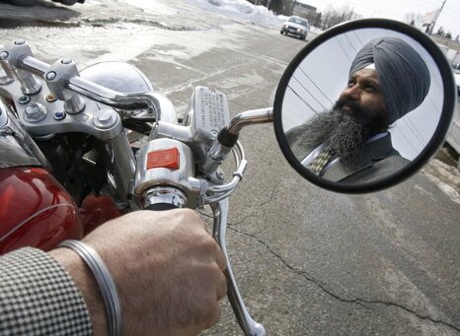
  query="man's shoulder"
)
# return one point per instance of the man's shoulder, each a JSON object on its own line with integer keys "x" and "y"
{"x": 379, "y": 169}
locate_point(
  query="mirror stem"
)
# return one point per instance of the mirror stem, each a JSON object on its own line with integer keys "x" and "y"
{"x": 251, "y": 117}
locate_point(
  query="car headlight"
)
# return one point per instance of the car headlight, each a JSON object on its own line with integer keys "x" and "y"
{"x": 299, "y": 30}
{"x": 286, "y": 26}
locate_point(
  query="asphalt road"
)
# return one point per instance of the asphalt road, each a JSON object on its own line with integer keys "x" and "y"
{"x": 308, "y": 261}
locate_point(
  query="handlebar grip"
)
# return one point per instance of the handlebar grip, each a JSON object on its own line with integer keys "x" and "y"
{"x": 161, "y": 207}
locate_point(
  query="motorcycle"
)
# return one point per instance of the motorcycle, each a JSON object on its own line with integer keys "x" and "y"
{"x": 80, "y": 148}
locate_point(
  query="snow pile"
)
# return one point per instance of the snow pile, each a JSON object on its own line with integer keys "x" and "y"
{"x": 241, "y": 10}
{"x": 446, "y": 177}
{"x": 152, "y": 6}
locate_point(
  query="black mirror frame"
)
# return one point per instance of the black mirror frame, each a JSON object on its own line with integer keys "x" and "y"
{"x": 435, "y": 142}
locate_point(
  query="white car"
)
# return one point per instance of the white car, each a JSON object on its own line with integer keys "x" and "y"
{"x": 296, "y": 26}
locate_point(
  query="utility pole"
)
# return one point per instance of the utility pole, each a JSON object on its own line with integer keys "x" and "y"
{"x": 435, "y": 19}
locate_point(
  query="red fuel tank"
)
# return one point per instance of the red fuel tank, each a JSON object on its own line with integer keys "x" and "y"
{"x": 35, "y": 210}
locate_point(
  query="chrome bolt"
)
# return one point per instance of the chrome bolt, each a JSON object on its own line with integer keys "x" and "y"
{"x": 50, "y": 75}
{"x": 105, "y": 119}
{"x": 66, "y": 61}
{"x": 35, "y": 112}
{"x": 19, "y": 42}
{"x": 105, "y": 116}
{"x": 32, "y": 109}
{"x": 4, "y": 55}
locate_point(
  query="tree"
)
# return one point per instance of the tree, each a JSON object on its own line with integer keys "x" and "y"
{"x": 412, "y": 18}
{"x": 332, "y": 17}
{"x": 314, "y": 19}
{"x": 280, "y": 7}
{"x": 317, "y": 20}
{"x": 440, "y": 31}
{"x": 449, "y": 35}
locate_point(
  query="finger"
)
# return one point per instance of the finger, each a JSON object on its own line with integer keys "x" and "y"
{"x": 221, "y": 286}
{"x": 214, "y": 318}
{"x": 220, "y": 258}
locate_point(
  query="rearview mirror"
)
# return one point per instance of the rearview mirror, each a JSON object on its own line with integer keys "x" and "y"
{"x": 364, "y": 105}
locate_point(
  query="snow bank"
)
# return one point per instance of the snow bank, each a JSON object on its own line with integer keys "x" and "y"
{"x": 241, "y": 10}
{"x": 446, "y": 177}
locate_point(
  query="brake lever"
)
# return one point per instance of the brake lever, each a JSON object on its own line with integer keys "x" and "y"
{"x": 246, "y": 322}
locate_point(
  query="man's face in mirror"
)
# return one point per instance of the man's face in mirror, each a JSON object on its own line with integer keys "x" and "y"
{"x": 362, "y": 99}
{"x": 358, "y": 115}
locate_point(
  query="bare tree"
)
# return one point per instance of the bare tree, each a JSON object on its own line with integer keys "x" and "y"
{"x": 441, "y": 31}
{"x": 332, "y": 17}
{"x": 280, "y": 6}
{"x": 411, "y": 18}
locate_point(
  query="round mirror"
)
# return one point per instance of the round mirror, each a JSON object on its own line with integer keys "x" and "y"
{"x": 364, "y": 105}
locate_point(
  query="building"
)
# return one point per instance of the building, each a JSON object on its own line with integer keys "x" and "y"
{"x": 303, "y": 10}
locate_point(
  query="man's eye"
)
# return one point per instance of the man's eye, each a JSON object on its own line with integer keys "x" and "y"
{"x": 370, "y": 88}
{"x": 351, "y": 83}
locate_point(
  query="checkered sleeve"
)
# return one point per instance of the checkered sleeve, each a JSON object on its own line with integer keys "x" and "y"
{"x": 38, "y": 297}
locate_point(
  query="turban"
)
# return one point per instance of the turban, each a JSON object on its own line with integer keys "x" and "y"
{"x": 402, "y": 73}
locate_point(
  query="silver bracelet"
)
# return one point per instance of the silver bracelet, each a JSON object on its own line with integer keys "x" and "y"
{"x": 104, "y": 280}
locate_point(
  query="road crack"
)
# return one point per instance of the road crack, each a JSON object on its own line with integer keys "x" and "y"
{"x": 323, "y": 287}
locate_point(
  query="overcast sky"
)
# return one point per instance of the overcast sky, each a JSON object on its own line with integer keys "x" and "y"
{"x": 397, "y": 9}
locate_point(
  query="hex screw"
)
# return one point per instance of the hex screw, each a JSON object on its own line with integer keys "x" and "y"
{"x": 19, "y": 42}
{"x": 66, "y": 61}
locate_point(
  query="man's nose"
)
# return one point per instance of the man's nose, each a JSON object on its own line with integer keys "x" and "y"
{"x": 352, "y": 92}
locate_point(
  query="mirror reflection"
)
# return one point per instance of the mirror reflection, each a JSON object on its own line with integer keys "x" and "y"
{"x": 362, "y": 105}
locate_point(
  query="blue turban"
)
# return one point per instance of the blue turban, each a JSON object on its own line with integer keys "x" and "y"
{"x": 402, "y": 73}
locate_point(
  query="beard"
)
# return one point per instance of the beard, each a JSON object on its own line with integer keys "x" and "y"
{"x": 341, "y": 131}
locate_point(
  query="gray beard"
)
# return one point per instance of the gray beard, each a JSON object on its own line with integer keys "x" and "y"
{"x": 338, "y": 131}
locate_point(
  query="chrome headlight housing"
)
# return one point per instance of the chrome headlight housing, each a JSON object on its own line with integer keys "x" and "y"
{"x": 121, "y": 77}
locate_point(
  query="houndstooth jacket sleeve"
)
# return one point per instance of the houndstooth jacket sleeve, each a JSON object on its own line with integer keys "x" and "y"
{"x": 38, "y": 297}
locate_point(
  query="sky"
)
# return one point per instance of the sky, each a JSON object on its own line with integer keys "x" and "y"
{"x": 449, "y": 18}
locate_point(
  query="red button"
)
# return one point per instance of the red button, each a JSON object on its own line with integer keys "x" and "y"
{"x": 167, "y": 158}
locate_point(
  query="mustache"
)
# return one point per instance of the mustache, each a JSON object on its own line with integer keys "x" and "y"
{"x": 356, "y": 111}
{"x": 353, "y": 105}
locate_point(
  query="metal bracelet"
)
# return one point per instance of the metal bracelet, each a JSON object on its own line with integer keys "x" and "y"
{"x": 104, "y": 280}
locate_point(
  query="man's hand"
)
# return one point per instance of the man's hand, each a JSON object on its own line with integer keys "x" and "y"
{"x": 167, "y": 269}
